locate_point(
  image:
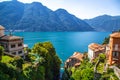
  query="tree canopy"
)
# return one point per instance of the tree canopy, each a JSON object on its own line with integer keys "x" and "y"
{"x": 42, "y": 63}
{"x": 1, "y": 52}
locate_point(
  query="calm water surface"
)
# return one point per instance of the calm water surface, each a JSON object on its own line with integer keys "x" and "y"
{"x": 65, "y": 43}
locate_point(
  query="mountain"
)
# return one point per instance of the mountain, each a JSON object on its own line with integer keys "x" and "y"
{"x": 10, "y": 13}
{"x": 105, "y": 23}
{"x": 37, "y": 17}
{"x": 71, "y": 22}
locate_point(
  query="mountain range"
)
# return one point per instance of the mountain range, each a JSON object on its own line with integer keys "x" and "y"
{"x": 105, "y": 23}
{"x": 37, "y": 17}
{"x": 15, "y": 15}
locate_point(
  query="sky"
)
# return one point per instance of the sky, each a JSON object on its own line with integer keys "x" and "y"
{"x": 84, "y": 9}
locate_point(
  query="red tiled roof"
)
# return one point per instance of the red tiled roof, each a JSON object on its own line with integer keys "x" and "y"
{"x": 96, "y": 47}
{"x": 75, "y": 59}
{"x": 115, "y": 35}
{"x": 77, "y": 55}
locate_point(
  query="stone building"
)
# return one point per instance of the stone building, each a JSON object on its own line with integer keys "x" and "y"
{"x": 13, "y": 45}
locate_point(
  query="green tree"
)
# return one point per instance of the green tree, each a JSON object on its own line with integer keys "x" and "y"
{"x": 102, "y": 57}
{"x": 1, "y": 52}
{"x": 7, "y": 71}
{"x": 83, "y": 72}
{"x": 52, "y": 61}
{"x": 106, "y": 40}
{"x": 18, "y": 62}
{"x": 42, "y": 64}
{"x": 87, "y": 74}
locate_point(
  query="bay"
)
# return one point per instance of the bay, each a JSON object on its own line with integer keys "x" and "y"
{"x": 65, "y": 43}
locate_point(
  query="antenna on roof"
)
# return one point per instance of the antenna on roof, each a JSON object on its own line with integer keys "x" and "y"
{"x": 11, "y": 30}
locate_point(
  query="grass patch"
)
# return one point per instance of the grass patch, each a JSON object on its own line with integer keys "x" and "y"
{"x": 6, "y": 59}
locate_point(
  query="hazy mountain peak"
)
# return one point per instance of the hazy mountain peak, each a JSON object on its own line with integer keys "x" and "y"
{"x": 105, "y": 23}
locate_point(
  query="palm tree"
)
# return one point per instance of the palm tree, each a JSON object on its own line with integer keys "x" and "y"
{"x": 36, "y": 59}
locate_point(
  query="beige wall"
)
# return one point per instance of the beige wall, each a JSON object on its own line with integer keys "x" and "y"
{"x": 16, "y": 46}
{"x": 1, "y": 33}
{"x": 15, "y": 49}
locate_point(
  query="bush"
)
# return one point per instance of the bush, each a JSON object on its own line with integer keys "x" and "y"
{"x": 102, "y": 57}
{"x": 1, "y": 52}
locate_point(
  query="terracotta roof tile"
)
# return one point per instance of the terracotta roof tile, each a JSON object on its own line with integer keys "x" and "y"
{"x": 116, "y": 35}
{"x": 72, "y": 60}
{"x": 77, "y": 55}
{"x": 96, "y": 47}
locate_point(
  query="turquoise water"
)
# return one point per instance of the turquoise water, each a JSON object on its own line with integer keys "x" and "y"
{"x": 65, "y": 43}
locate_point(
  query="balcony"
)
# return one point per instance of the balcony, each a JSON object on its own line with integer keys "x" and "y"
{"x": 115, "y": 59}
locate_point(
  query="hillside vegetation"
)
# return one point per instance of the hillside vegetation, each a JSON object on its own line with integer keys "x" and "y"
{"x": 42, "y": 63}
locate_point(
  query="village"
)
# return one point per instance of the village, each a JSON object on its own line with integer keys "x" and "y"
{"x": 14, "y": 46}
{"x": 111, "y": 51}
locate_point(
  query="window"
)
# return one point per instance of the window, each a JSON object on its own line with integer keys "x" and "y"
{"x": 13, "y": 46}
{"x": 19, "y": 52}
{"x": 116, "y": 46}
{"x": 115, "y": 54}
{"x": 14, "y": 53}
{"x": 20, "y": 44}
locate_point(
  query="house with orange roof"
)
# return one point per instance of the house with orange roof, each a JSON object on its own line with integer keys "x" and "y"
{"x": 13, "y": 45}
{"x": 94, "y": 50}
{"x": 74, "y": 60}
{"x": 113, "y": 49}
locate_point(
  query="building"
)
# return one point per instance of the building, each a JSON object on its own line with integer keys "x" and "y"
{"x": 94, "y": 50}
{"x": 74, "y": 60}
{"x": 113, "y": 49}
{"x": 13, "y": 45}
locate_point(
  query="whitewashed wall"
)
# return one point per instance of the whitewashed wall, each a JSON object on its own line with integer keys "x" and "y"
{"x": 90, "y": 53}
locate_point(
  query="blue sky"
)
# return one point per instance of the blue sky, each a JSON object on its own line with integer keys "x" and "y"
{"x": 83, "y": 9}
